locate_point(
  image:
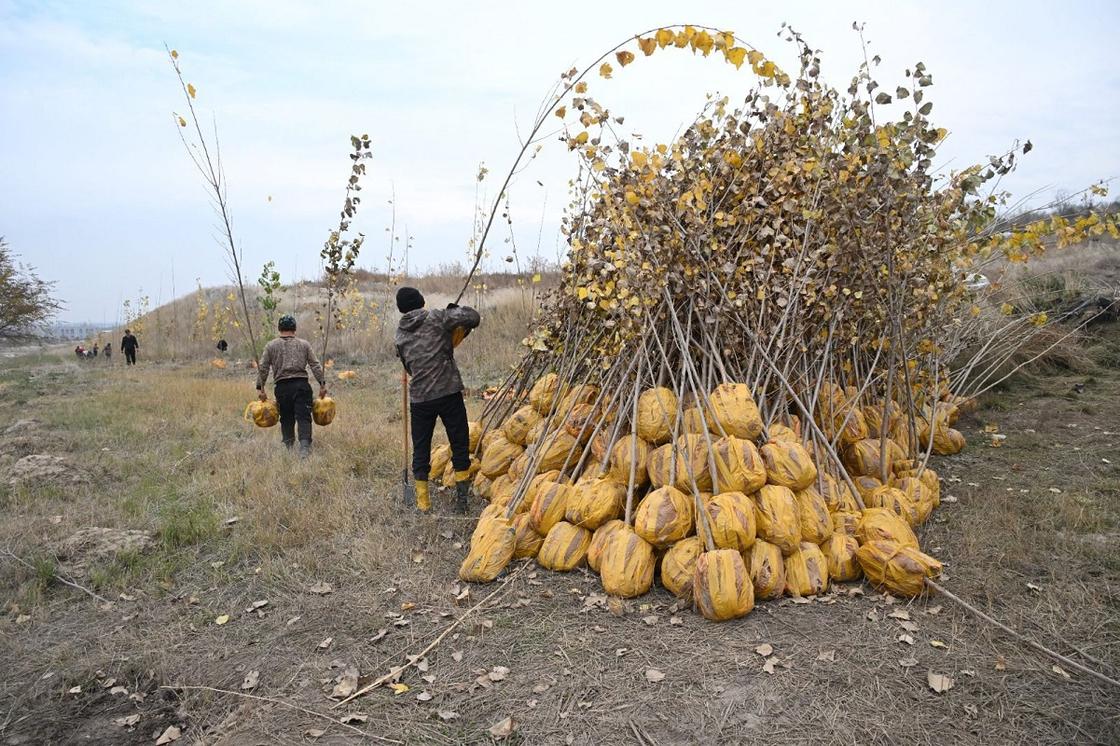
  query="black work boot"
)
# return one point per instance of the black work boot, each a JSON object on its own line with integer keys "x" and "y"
{"x": 304, "y": 448}
{"x": 462, "y": 496}
{"x": 288, "y": 443}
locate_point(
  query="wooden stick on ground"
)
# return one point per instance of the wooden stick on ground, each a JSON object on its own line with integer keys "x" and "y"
{"x": 413, "y": 659}
{"x": 57, "y": 576}
{"x": 1037, "y": 646}
{"x": 283, "y": 704}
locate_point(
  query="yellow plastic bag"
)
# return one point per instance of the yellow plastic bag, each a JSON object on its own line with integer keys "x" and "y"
{"x": 866, "y": 485}
{"x": 816, "y": 522}
{"x": 482, "y": 484}
{"x": 778, "y": 520}
{"x": 546, "y": 393}
{"x": 537, "y": 482}
{"x": 501, "y": 490}
{"x": 693, "y": 421}
{"x": 549, "y": 506}
{"x": 558, "y": 451}
{"x": 739, "y": 466}
{"x": 527, "y": 542}
{"x": 846, "y": 522}
{"x": 806, "y": 571}
{"x": 498, "y": 455}
{"x": 491, "y": 550}
{"x": 657, "y": 414}
{"x": 880, "y": 524}
{"x": 788, "y": 464}
{"x": 519, "y": 466}
{"x": 902, "y": 570}
{"x": 734, "y": 411}
{"x": 664, "y": 516}
{"x": 836, "y": 493}
{"x": 599, "y": 539}
{"x": 583, "y": 393}
{"x": 518, "y": 425}
{"x": 448, "y": 477}
{"x": 621, "y": 458}
{"x": 768, "y": 570}
{"x": 323, "y": 411}
{"x": 844, "y": 424}
{"x": 582, "y": 421}
{"x": 627, "y": 564}
{"x": 777, "y": 432}
{"x": 474, "y": 434}
{"x": 896, "y": 501}
{"x": 863, "y": 457}
{"x": 840, "y": 552}
{"x": 873, "y": 416}
{"x": 721, "y": 585}
{"x": 592, "y": 505}
{"x": 262, "y": 413}
{"x": 565, "y": 547}
{"x": 537, "y": 432}
{"x": 732, "y": 520}
{"x": 678, "y": 565}
{"x": 693, "y": 463}
{"x": 441, "y": 457}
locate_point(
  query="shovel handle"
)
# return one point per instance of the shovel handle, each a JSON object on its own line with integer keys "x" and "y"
{"x": 404, "y": 421}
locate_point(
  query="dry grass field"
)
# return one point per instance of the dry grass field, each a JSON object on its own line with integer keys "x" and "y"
{"x": 259, "y": 583}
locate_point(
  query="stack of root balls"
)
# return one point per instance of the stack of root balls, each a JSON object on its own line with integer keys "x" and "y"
{"x": 761, "y": 335}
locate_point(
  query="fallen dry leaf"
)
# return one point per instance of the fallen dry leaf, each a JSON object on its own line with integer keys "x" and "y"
{"x": 251, "y": 680}
{"x": 75, "y": 689}
{"x": 908, "y": 662}
{"x": 653, "y": 675}
{"x": 900, "y": 614}
{"x": 498, "y": 673}
{"x": 353, "y": 717}
{"x": 380, "y": 634}
{"x": 939, "y": 682}
{"x": 503, "y": 728}
{"x": 447, "y": 715}
{"x": 222, "y": 619}
{"x": 321, "y": 588}
{"x": 1001, "y": 663}
{"x": 423, "y": 697}
{"x": 314, "y": 733}
{"x": 768, "y": 666}
{"x": 938, "y": 644}
{"x": 906, "y": 639}
{"x": 457, "y": 656}
{"x": 118, "y": 690}
{"x": 171, "y": 734}
{"x": 651, "y": 619}
{"x": 346, "y": 683}
{"x": 399, "y": 688}
{"x": 127, "y": 721}
{"x": 765, "y": 649}
{"x": 827, "y": 655}
{"x": 1060, "y": 671}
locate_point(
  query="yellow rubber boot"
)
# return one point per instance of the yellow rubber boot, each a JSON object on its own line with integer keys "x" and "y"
{"x": 423, "y": 499}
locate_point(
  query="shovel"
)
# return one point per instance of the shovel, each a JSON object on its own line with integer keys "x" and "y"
{"x": 408, "y": 491}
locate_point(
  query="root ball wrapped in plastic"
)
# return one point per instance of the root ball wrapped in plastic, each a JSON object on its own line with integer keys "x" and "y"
{"x": 779, "y": 521}
{"x": 732, "y": 521}
{"x": 498, "y": 455}
{"x": 847, "y": 426}
{"x": 768, "y": 570}
{"x": 919, "y": 494}
{"x": 880, "y": 524}
{"x": 626, "y": 452}
{"x": 323, "y": 410}
{"x": 693, "y": 466}
{"x": 482, "y": 484}
{"x": 806, "y": 571}
{"x": 846, "y": 522}
{"x": 518, "y": 425}
{"x": 492, "y": 548}
{"x": 734, "y": 411}
{"x": 897, "y": 502}
{"x": 840, "y": 552}
{"x": 866, "y": 485}
{"x": 583, "y": 393}
{"x": 816, "y": 521}
{"x": 657, "y": 415}
{"x": 627, "y": 564}
{"x": 678, "y": 565}
{"x": 441, "y": 457}
{"x": 546, "y": 393}
{"x": 549, "y": 506}
{"x": 558, "y": 451}
{"x": 527, "y": 542}
{"x": 599, "y": 539}
{"x": 836, "y": 493}
{"x": 449, "y": 479}
{"x": 864, "y": 458}
{"x": 582, "y": 420}
{"x": 474, "y": 434}
{"x": 501, "y": 490}
{"x": 693, "y": 421}
{"x": 565, "y": 547}
{"x": 262, "y": 413}
{"x": 721, "y": 586}
{"x": 592, "y": 505}
{"x": 739, "y": 466}
{"x": 873, "y": 416}
{"x": 777, "y": 433}
{"x": 788, "y": 465}
{"x": 901, "y": 570}
{"x": 664, "y": 516}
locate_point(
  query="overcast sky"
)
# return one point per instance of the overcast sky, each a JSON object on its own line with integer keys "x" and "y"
{"x": 97, "y": 192}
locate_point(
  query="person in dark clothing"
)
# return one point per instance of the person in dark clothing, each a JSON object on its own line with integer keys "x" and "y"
{"x": 289, "y": 357}
{"x": 108, "y": 352}
{"x": 222, "y": 345}
{"x": 129, "y": 346}
{"x": 95, "y": 349}
{"x": 426, "y": 343}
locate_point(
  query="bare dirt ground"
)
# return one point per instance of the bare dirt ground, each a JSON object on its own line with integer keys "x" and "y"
{"x": 354, "y": 582}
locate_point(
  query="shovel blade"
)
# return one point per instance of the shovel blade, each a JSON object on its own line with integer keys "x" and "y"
{"x": 408, "y": 491}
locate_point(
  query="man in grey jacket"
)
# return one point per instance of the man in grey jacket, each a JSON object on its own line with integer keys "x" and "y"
{"x": 289, "y": 357}
{"x": 426, "y": 343}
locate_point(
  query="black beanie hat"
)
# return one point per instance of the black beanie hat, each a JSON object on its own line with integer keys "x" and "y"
{"x": 409, "y": 299}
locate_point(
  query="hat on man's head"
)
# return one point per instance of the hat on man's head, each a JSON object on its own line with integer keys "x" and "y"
{"x": 287, "y": 323}
{"x": 409, "y": 299}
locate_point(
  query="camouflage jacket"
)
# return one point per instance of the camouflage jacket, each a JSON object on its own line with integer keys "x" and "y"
{"x": 425, "y": 347}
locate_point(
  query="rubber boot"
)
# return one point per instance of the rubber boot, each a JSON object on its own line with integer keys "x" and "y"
{"x": 423, "y": 500}
{"x": 304, "y": 448}
{"x": 462, "y": 491}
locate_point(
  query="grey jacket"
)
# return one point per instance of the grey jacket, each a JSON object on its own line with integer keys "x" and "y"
{"x": 288, "y": 357}
{"x": 425, "y": 347}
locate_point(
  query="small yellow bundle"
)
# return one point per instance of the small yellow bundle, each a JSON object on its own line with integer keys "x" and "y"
{"x": 902, "y": 570}
{"x": 627, "y": 563}
{"x": 565, "y": 547}
{"x": 492, "y": 548}
{"x": 721, "y": 585}
{"x": 678, "y": 565}
{"x": 323, "y": 411}
{"x": 262, "y": 413}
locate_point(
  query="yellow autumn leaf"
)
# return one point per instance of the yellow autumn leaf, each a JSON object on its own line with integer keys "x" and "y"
{"x": 1007, "y": 309}
{"x": 182, "y": 122}
{"x": 624, "y": 58}
{"x": 581, "y": 87}
{"x": 581, "y": 293}
{"x": 735, "y": 56}
{"x": 682, "y": 38}
{"x": 639, "y": 159}
{"x": 581, "y": 138}
{"x": 754, "y": 57}
{"x": 703, "y": 42}
{"x": 728, "y": 39}
{"x": 631, "y": 198}
{"x": 174, "y": 55}
{"x": 399, "y": 688}
{"x": 536, "y": 278}
{"x": 222, "y": 619}
{"x": 562, "y": 111}
{"x": 664, "y": 37}
{"x": 1039, "y": 319}
{"x": 191, "y": 89}
{"x": 605, "y": 70}
{"x": 647, "y": 45}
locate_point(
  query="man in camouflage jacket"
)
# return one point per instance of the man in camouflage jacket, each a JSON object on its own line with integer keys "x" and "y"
{"x": 426, "y": 343}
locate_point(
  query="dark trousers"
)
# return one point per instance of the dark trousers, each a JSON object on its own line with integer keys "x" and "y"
{"x": 452, "y": 410}
{"x": 293, "y": 399}
{"x": 130, "y": 357}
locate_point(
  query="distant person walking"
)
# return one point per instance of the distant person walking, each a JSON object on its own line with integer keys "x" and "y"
{"x": 108, "y": 352}
{"x": 288, "y": 357}
{"x": 95, "y": 349}
{"x": 129, "y": 346}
